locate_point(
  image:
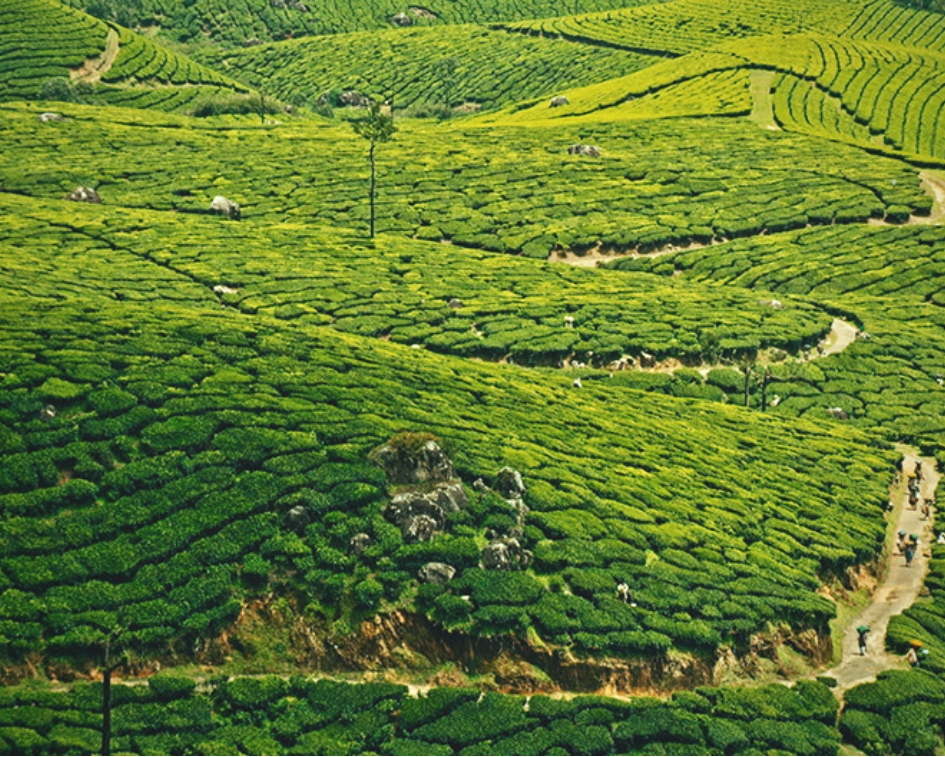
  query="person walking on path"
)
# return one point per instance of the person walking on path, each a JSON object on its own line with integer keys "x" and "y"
{"x": 861, "y": 632}
{"x": 911, "y": 546}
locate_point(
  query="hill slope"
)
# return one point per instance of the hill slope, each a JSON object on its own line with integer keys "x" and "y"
{"x": 44, "y": 41}
{"x": 242, "y": 21}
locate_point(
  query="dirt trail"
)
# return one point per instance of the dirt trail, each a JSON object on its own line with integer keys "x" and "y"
{"x": 762, "y": 105}
{"x": 898, "y": 590}
{"x": 841, "y": 336}
{"x": 94, "y": 68}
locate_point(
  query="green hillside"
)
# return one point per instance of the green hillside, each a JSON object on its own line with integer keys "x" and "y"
{"x": 513, "y": 189}
{"x": 183, "y": 443}
{"x": 611, "y": 404}
{"x": 242, "y": 21}
{"x": 489, "y": 68}
{"x": 51, "y": 52}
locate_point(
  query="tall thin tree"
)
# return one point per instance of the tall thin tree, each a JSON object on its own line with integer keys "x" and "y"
{"x": 376, "y": 127}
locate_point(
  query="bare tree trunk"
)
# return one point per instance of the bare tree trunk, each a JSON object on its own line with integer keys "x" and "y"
{"x": 765, "y": 378}
{"x": 747, "y": 384}
{"x": 373, "y": 184}
{"x": 107, "y": 710}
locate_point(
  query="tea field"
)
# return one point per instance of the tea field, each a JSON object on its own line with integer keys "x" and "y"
{"x": 175, "y": 714}
{"x": 176, "y": 447}
{"x": 194, "y": 408}
{"x": 428, "y": 66}
{"x": 246, "y": 22}
{"x": 483, "y": 305}
{"x": 512, "y": 190}
{"x": 46, "y": 47}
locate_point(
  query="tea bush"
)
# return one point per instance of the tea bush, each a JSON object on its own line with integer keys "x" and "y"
{"x": 302, "y": 715}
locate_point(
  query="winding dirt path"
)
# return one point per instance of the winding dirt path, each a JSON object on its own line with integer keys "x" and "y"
{"x": 899, "y": 589}
{"x": 94, "y": 68}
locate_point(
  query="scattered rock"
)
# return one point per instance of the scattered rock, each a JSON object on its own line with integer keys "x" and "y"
{"x": 776, "y": 304}
{"x": 224, "y": 207}
{"x": 420, "y": 12}
{"x": 455, "y": 303}
{"x": 436, "y": 504}
{"x": 839, "y": 413}
{"x": 223, "y": 289}
{"x": 47, "y": 117}
{"x": 47, "y": 413}
{"x": 591, "y": 151}
{"x": 418, "y": 528}
{"x": 505, "y": 554}
{"x": 297, "y": 519}
{"x": 297, "y": 6}
{"x": 577, "y": 383}
{"x": 359, "y": 542}
{"x": 84, "y": 194}
{"x": 479, "y": 485}
{"x": 557, "y": 102}
{"x": 467, "y": 108}
{"x": 353, "y": 99}
{"x": 251, "y": 42}
{"x": 647, "y": 360}
{"x": 414, "y": 459}
{"x": 509, "y": 483}
{"x": 401, "y": 19}
{"x": 437, "y": 573}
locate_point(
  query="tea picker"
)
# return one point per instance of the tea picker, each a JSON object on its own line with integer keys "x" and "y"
{"x": 861, "y": 632}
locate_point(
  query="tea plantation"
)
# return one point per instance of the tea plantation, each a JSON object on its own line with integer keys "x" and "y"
{"x": 513, "y": 190}
{"x": 46, "y": 45}
{"x": 178, "y": 715}
{"x": 245, "y": 22}
{"x": 431, "y": 66}
{"x": 248, "y": 445}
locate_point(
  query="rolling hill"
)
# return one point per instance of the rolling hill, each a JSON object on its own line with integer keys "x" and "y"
{"x": 503, "y": 495}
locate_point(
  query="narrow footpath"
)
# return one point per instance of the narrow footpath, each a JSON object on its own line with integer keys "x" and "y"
{"x": 898, "y": 590}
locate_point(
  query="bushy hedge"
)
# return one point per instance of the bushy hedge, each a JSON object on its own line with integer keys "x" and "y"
{"x": 296, "y": 716}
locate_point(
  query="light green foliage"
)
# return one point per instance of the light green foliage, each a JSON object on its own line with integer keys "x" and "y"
{"x": 237, "y": 22}
{"x": 510, "y": 189}
{"x": 492, "y": 68}
{"x": 43, "y": 41}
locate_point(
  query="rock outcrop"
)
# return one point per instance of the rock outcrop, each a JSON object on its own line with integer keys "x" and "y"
{"x": 436, "y": 504}
{"x": 414, "y": 459}
{"x": 437, "y": 573}
{"x": 224, "y": 207}
{"x": 84, "y": 194}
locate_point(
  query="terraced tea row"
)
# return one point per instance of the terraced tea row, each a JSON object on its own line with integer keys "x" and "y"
{"x": 892, "y": 22}
{"x": 509, "y": 189}
{"x": 460, "y": 302}
{"x": 274, "y": 716}
{"x": 896, "y": 262}
{"x": 249, "y": 21}
{"x": 433, "y": 66}
{"x": 40, "y": 39}
{"x": 43, "y": 41}
{"x": 886, "y": 280}
{"x": 159, "y": 446}
{"x": 685, "y": 26}
{"x": 874, "y": 95}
